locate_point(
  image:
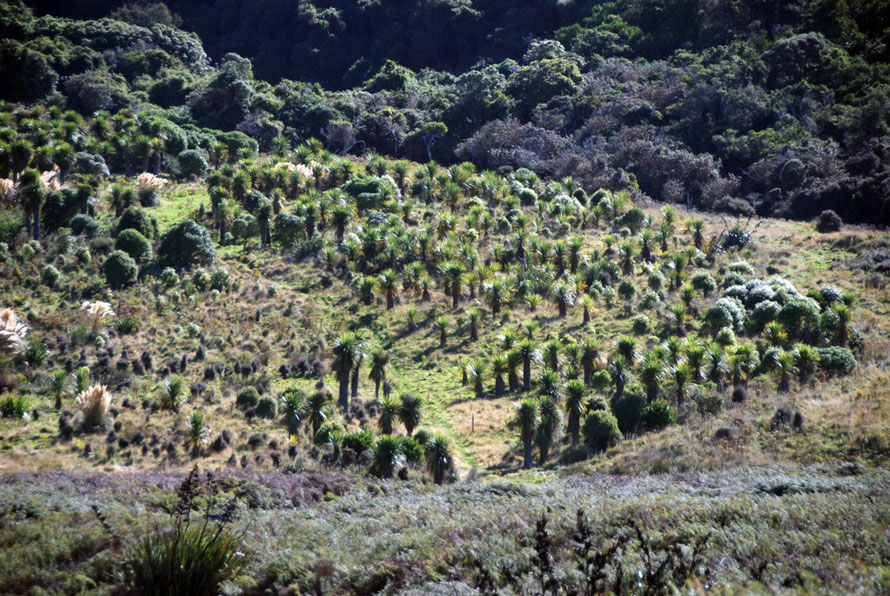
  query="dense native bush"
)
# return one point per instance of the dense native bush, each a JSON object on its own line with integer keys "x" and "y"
{"x": 600, "y": 430}
{"x": 192, "y": 163}
{"x": 370, "y": 192}
{"x": 247, "y": 398}
{"x": 267, "y": 408}
{"x": 359, "y": 441}
{"x": 628, "y": 410}
{"x": 726, "y": 312}
{"x": 137, "y": 219}
{"x": 120, "y": 269}
{"x": 49, "y": 276}
{"x": 836, "y": 361}
{"x": 134, "y": 244}
{"x": 186, "y": 244}
{"x": 658, "y": 414}
{"x": 84, "y": 224}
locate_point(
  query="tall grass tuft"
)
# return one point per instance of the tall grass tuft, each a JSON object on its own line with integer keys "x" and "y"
{"x": 94, "y": 402}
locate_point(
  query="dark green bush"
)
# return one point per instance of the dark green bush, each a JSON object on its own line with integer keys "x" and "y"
{"x": 220, "y": 280}
{"x": 703, "y": 282}
{"x": 192, "y": 163}
{"x": 600, "y": 430}
{"x": 49, "y": 276}
{"x": 13, "y": 406}
{"x": 837, "y": 361}
{"x": 134, "y": 244}
{"x": 248, "y": 397}
{"x": 369, "y": 192}
{"x": 267, "y": 408}
{"x": 359, "y": 441}
{"x": 658, "y": 414}
{"x": 601, "y": 380}
{"x": 186, "y": 244}
{"x": 829, "y": 221}
{"x": 628, "y": 410}
{"x": 632, "y": 219}
{"x": 137, "y": 219}
{"x": 83, "y": 224}
{"x": 640, "y": 325}
{"x": 120, "y": 270}
{"x": 412, "y": 450}
{"x": 597, "y": 402}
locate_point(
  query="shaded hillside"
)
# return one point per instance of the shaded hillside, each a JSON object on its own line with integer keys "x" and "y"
{"x": 773, "y": 108}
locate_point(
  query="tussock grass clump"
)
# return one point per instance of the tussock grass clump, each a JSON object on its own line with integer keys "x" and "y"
{"x": 12, "y": 333}
{"x": 94, "y": 402}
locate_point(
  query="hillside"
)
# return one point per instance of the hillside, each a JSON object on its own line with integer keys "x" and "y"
{"x": 774, "y": 108}
{"x": 379, "y": 332}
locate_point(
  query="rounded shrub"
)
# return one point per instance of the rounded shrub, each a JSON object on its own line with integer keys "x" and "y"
{"x": 601, "y": 380}
{"x": 528, "y": 197}
{"x": 248, "y": 397}
{"x": 703, "y": 282}
{"x": 600, "y": 430}
{"x": 120, "y": 269}
{"x": 192, "y": 163}
{"x": 220, "y": 280}
{"x": 655, "y": 280}
{"x": 134, "y": 244}
{"x": 658, "y": 414}
{"x": 186, "y": 244}
{"x": 733, "y": 279}
{"x": 640, "y": 325}
{"x": 83, "y": 255}
{"x": 267, "y": 408}
{"x": 134, "y": 218}
{"x": 627, "y": 289}
{"x": 798, "y": 315}
{"x": 708, "y": 401}
{"x": 597, "y": 402}
{"x": 359, "y": 441}
{"x": 49, "y": 276}
{"x": 836, "y": 361}
{"x": 169, "y": 277}
{"x": 83, "y": 224}
{"x": 412, "y": 450}
{"x": 201, "y": 279}
{"x": 765, "y": 312}
{"x": 829, "y": 221}
{"x": 628, "y": 410}
{"x": 633, "y": 219}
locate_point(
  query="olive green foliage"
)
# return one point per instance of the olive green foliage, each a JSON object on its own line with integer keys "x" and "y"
{"x": 600, "y": 430}
{"x": 267, "y": 407}
{"x": 835, "y": 360}
{"x": 134, "y": 244}
{"x": 137, "y": 219}
{"x": 193, "y": 556}
{"x": 628, "y": 410}
{"x": 247, "y": 398}
{"x": 186, "y": 244}
{"x": 658, "y": 414}
{"x": 120, "y": 269}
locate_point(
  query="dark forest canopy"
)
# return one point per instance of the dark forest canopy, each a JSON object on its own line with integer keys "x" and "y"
{"x": 778, "y": 108}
